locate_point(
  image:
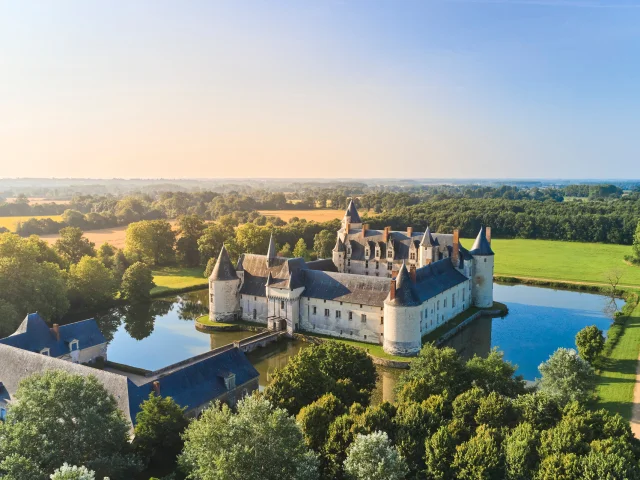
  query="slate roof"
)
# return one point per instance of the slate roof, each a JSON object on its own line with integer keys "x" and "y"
{"x": 481, "y": 246}
{"x": 345, "y": 287}
{"x": 353, "y": 213}
{"x": 436, "y": 278}
{"x": 325, "y": 265}
{"x": 223, "y": 269}
{"x": 34, "y": 335}
{"x": 406, "y": 291}
{"x": 427, "y": 239}
{"x": 284, "y": 272}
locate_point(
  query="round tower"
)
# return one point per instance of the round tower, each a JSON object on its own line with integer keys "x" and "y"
{"x": 338, "y": 254}
{"x": 224, "y": 301}
{"x": 482, "y": 281}
{"x": 402, "y": 317}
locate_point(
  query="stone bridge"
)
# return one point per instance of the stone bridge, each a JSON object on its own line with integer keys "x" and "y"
{"x": 249, "y": 344}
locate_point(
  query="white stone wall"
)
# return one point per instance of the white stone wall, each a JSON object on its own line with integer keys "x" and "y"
{"x": 223, "y": 299}
{"x": 402, "y": 330}
{"x": 249, "y": 303}
{"x": 444, "y": 307}
{"x": 368, "y": 331}
{"x": 483, "y": 281}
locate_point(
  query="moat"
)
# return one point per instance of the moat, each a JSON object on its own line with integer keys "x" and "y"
{"x": 159, "y": 333}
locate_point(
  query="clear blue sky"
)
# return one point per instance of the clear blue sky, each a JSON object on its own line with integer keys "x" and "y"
{"x": 353, "y": 88}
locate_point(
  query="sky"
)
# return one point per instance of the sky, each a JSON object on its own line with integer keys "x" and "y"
{"x": 326, "y": 88}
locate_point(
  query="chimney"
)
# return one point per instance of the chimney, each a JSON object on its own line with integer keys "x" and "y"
{"x": 156, "y": 387}
{"x": 455, "y": 255}
{"x": 346, "y": 228}
{"x": 412, "y": 273}
{"x": 392, "y": 290}
{"x": 56, "y": 331}
{"x": 488, "y": 233}
{"x": 409, "y": 231}
{"x": 365, "y": 227}
{"x": 385, "y": 235}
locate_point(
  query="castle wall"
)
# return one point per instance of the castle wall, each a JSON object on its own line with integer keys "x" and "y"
{"x": 443, "y": 307}
{"x": 368, "y": 330}
{"x": 483, "y": 281}
{"x": 223, "y": 299}
{"x": 249, "y": 303}
{"x": 402, "y": 330}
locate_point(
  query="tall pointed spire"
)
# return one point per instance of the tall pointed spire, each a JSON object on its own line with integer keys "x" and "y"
{"x": 481, "y": 246}
{"x": 406, "y": 294}
{"x": 427, "y": 239}
{"x": 224, "y": 268}
{"x": 271, "y": 252}
{"x": 352, "y": 213}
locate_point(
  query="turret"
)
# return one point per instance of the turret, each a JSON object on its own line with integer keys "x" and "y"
{"x": 483, "y": 257}
{"x": 224, "y": 303}
{"x": 271, "y": 252}
{"x": 351, "y": 217}
{"x": 402, "y": 316}
{"x": 427, "y": 252}
{"x": 338, "y": 254}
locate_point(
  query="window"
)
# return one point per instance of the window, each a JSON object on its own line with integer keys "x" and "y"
{"x": 389, "y": 254}
{"x": 444, "y": 303}
{"x": 73, "y": 346}
{"x": 366, "y": 264}
{"x": 338, "y": 314}
{"x": 381, "y": 320}
{"x": 326, "y": 312}
{"x": 350, "y": 315}
{"x": 377, "y": 265}
{"x": 389, "y": 266}
{"x": 281, "y": 303}
{"x": 365, "y": 337}
{"x": 463, "y": 295}
{"x": 366, "y": 252}
{"x": 255, "y": 314}
{"x": 453, "y": 300}
{"x": 314, "y": 310}
{"x": 363, "y": 318}
{"x": 412, "y": 256}
{"x": 438, "y": 305}
{"x": 349, "y": 262}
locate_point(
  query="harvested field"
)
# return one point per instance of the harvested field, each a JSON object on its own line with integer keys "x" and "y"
{"x": 115, "y": 236}
{"x": 317, "y": 215}
{"x": 41, "y": 200}
{"x": 12, "y": 222}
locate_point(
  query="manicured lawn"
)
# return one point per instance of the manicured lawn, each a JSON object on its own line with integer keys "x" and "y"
{"x": 177, "y": 278}
{"x": 617, "y": 375}
{"x": 568, "y": 261}
{"x": 10, "y": 223}
{"x": 375, "y": 350}
{"x": 204, "y": 320}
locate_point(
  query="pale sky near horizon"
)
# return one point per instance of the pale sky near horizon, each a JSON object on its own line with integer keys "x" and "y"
{"x": 326, "y": 88}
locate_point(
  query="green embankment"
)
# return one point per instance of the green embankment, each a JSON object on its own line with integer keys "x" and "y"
{"x": 562, "y": 261}
{"x": 177, "y": 279}
{"x": 616, "y": 369}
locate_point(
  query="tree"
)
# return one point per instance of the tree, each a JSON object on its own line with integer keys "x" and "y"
{"x": 285, "y": 251}
{"x": 323, "y": 243}
{"x": 212, "y": 238}
{"x": 590, "y": 342}
{"x": 560, "y": 466}
{"x": 159, "y": 426}
{"x": 151, "y": 242}
{"x": 72, "y": 245}
{"x": 315, "y": 419}
{"x": 91, "y": 283}
{"x": 439, "y": 451}
{"x": 106, "y": 253}
{"x": 300, "y": 250}
{"x": 17, "y": 467}
{"x": 253, "y": 239}
{"x": 441, "y": 370}
{"x": 636, "y": 244}
{"x": 520, "y": 451}
{"x": 566, "y": 377}
{"x": 58, "y": 416}
{"x": 494, "y": 374}
{"x": 259, "y": 442}
{"x": 137, "y": 282}
{"x": 480, "y": 457}
{"x": 372, "y": 457}
{"x": 68, "y": 472}
{"x": 211, "y": 264}
{"x": 190, "y": 228}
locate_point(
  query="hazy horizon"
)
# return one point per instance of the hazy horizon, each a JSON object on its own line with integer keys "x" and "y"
{"x": 438, "y": 89}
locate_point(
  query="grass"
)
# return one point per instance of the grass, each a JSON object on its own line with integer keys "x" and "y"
{"x": 372, "y": 349}
{"x": 11, "y": 223}
{"x": 170, "y": 279}
{"x": 562, "y": 261}
{"x": 204, "y": 320}
{"x": 616, "y": 376}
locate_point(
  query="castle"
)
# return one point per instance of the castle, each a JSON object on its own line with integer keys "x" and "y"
{"x": 380, "y": 286}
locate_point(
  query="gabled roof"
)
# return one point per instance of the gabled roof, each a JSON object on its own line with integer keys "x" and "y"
{"x": 428, "y": 240}
{"x": 339, "y": 245}
{"x": 34, "y": 335}
{"x": 481, "y": 246}
{"x": 223, "y": 269}
{"x": 352, "y": 213}
{"x": 406, "y": 292}
{"x": 345, "y": 287}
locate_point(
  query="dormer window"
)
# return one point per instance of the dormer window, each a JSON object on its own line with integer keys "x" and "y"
{"x": 74, "y": 345}
{"x": 390, "y": 254}
{"x": 45, "y": 351}
{"x": 367, "y": 252}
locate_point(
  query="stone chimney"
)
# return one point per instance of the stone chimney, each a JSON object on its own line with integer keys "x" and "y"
{"x": 409, "y": 231}
{"x": 365, "y": 227}
{"x": 346, "y": 228}
{"x": 56, "y": 331}
{"x": 156, "y": 387}
{"x": 385, "y": 234}
{"x": 392, "y": 290}
{"x": 455, "y": 255}
{"x": 412, "y": 273}
{"x": 488, "y": 233}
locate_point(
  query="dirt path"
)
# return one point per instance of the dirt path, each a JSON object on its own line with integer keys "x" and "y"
{"x": 635, "y": 412}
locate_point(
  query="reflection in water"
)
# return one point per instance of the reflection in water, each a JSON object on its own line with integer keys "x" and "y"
{"x": 475, "y": 339}
{"x": 193, "y": 305}
{"x": 139, "y": 319}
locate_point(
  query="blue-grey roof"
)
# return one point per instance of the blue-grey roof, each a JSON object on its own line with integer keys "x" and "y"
{"x": 198, "y": 383}
{"x": 34, "y": 335}
{"x": 481, "y": 246}
{"x": 406, "y": 292}
{"x": 223, "y": 269}
{"x": 346, "y": 287}
{"x": 436, "y": 278}
{"x": 352, "y": 213}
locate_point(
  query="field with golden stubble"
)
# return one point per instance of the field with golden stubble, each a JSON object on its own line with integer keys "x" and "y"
{"x": 316, "y": 215}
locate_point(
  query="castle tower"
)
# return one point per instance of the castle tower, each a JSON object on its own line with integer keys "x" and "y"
{"x": 428, "y": 249}
{"x": 402, "y": 316}
{"x": 482, "y": 281}
{"x": 271, "y": 252}
{"x": 224, "y": 302}
{"x": 338, "y": 254}
{"x": 351, "y": 217}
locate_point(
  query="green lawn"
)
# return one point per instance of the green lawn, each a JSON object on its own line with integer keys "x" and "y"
{"x": 372, "y": 349}
{"x": 168, "y": 279}
{"x": 568, "y": 261}
{"x": 617, "y": 375}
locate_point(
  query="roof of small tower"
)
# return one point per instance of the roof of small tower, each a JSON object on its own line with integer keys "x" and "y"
{"x": 427, "y": 239}
{"x": 481, "y": 246}
{"x": 224, "y": 268}
{"x": 271, "y": 251}
{"x": 406, "y": 293}
{"x": 339, "y": 245}
{"x": 352, "y": 213}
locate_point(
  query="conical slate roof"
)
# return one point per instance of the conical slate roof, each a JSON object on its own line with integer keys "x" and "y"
{"x": 427, "y": 239}
{"x": 481, "y": 246}
{"x": 271, "y": 252}
{"x": 269, "y": 280}
{"x": 352, "y": 213}
{"x": 406, "y": 294}
{"x": 224, "y": 268}
{"x": 339, "y": 245}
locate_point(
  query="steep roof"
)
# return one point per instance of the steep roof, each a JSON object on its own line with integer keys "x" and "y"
{"x": 282, "y": 270}
{"x": 352, "y": 212}
{"x": 481, "y": 246}
{"x": 406, "y": 292}
{"x": 223, "y": 269}
{"x": 436, "y": 278}
{"x": 339, "y": 245}
{"x": 345, "y": 287}
{"x": 34, "y": 335}
{"x": 427, "y": 239}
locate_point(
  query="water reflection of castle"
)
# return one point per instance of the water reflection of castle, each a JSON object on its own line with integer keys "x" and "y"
{"x": 474, "y": 339}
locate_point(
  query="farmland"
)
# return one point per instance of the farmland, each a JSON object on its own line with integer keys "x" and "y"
{"x": 114, "y": 235}
{"x": 11, "y": 222}
{"x": 316, "y": 215}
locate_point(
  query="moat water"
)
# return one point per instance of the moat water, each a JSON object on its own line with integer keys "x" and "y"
{"x": 540, "y": 320}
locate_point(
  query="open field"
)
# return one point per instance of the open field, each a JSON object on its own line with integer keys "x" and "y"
{"x": 41, "y": 200}
{"x": 11, "y": 222}
{"x": 563, "y": 261}
{"x": 317, "y": 215}
{"x": 616, "y": 378}
{"x": 178, "y": 278}
{"x": 114, "y": 235}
